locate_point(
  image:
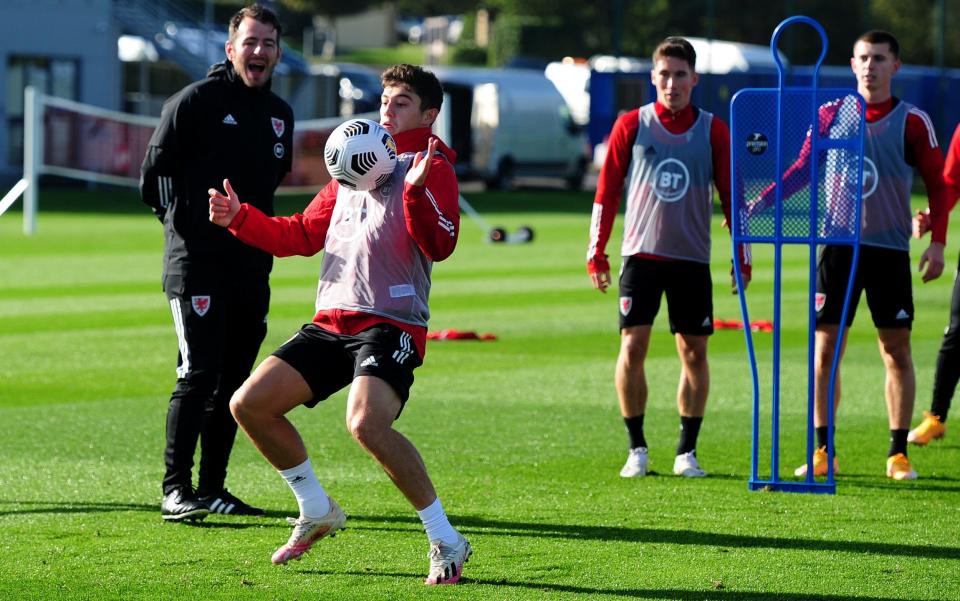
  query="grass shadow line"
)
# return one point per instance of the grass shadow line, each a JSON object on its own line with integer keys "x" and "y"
{"x": 630, "y": 593}
{"x": 678, "y": 536}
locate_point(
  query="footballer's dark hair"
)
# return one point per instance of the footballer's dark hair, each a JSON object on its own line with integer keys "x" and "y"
{"x": 257, "y": 12}
{"x": 422, "y": 82}
{"x": 677, "y": 47}
{"x": 879, "y": 36}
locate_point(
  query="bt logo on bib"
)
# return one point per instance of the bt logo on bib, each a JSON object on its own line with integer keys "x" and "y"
{"x": 671, "y": 180}
{"x": 348, "y": 222}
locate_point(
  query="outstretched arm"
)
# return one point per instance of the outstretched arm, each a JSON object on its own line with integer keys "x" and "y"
{"x": 299, "y": 234}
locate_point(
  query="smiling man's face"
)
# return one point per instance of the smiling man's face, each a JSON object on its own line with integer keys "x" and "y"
{"x": 254, "y": 52}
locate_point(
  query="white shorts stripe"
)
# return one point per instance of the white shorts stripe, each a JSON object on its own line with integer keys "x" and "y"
{"x": 406, "y": 349}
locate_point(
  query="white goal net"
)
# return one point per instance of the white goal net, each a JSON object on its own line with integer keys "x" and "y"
{"x": 79, "y": 141}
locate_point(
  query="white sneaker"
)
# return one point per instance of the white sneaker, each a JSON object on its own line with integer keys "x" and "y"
{"x": 446, "y": 561}
{"x": 636, "y": 465}
{"x": 686, "y": 465}
{"x": 307, "y": 531}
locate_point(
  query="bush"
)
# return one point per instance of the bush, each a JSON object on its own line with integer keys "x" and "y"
{"x": 530, "y": 36}
{"x": 466, "y": 53}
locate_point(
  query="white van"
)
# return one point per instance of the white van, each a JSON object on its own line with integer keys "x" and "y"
{"x": 509, "y": 123}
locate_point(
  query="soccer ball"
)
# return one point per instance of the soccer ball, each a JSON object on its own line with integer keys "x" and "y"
{"x": 360, "y": 154}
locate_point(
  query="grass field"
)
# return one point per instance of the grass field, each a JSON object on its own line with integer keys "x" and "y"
{"x": 522, "y": 437}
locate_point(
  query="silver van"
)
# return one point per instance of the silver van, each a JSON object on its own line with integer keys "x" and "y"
{"x": 506, "y": 124}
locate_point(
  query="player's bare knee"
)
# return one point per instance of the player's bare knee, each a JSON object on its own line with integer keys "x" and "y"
{"x": 238, "y": 406}
{"x": 633, "y": 351}
{"x": 694, "y": 358}
{"x": 897, "y": 357}
{"x": 365, "y": 430}
{"x": 244, "y": 406}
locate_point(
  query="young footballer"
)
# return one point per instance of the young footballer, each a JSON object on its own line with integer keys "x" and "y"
{"x": 899, "y": 138}
{"x": 666, "y": 154}
{"x": 370, "y": 328}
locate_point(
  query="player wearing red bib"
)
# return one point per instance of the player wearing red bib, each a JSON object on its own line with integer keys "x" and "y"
{"x": 667, "y": 154}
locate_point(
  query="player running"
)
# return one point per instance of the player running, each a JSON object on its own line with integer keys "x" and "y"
{"x": 945, "y": 379}
{"x": 899, "y": 138}
{"x": 370, "y": 328}
{"x": 667, "y": 153}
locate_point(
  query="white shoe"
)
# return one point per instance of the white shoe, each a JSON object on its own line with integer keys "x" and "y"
{"x": 307, "y": 531}
{"x": 446, "y": 561}
{"x": 636, "y": 465}
{"x": 686, "y": 465}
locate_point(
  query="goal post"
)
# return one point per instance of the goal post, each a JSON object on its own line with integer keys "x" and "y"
{"x": 79, "y": 141}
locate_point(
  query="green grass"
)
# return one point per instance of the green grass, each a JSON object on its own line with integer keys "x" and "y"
{"x": 382, "y": 57}
{"x": 522, "y": 437}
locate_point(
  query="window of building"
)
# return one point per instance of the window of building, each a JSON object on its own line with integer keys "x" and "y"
{"x": 52, "y": 76}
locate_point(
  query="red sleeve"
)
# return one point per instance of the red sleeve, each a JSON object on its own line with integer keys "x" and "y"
{"x": 299, "y": 234}
{"x": 922, "y": 150}
{"x": 951, "y": 171}
{"x": 613, "y": 174}
{"x": 798, "y": 175}
{"x": 432, "y": 211}
{"x": 720, "y": 145}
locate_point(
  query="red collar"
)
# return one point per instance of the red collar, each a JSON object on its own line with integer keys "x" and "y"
{"x": 879, "y": 110}
{"x": 677, "y": 122}
{"x": 415, "y": 140}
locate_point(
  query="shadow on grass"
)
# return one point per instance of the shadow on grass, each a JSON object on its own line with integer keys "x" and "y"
{"x": 667, "y": 536}
{"x": 632, "y": 593}
{"x": 64, "y": 508}
{"x": 940, "y": 484}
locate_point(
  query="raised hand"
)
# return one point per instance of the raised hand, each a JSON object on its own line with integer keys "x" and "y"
{"x": 223, "y": 208}
{"x": 417, "y": 174}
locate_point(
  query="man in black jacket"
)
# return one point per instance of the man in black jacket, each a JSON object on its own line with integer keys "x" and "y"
{"x": 227, "y": 126}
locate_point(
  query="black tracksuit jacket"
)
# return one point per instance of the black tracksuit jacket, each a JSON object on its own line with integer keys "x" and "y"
{"x": 214, "y": 129}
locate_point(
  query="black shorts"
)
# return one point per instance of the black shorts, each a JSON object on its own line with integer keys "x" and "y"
{"x": 688, "y": 287}
{"x": 329, "y": 362}
{"x": 883, "y": 272}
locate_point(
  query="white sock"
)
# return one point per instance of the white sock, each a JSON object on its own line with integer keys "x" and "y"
{"x": 311, "y": 497}
{"x": 436, "y": 524}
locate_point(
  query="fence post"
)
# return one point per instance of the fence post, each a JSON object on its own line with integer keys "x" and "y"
{"x": 32, "y": 154}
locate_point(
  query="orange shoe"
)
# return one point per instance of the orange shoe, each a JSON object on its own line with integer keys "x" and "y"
{"x": 899, "y": 468}
{"x": 819, "y": 464}
{"x": 931, "y": 428}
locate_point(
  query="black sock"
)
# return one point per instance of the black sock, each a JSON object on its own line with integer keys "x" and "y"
{"x": 898, "y": 442}
{"x": 689, "y": 430}
{"x": 635, "y": 431}
{"x": 821, "y": 437}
